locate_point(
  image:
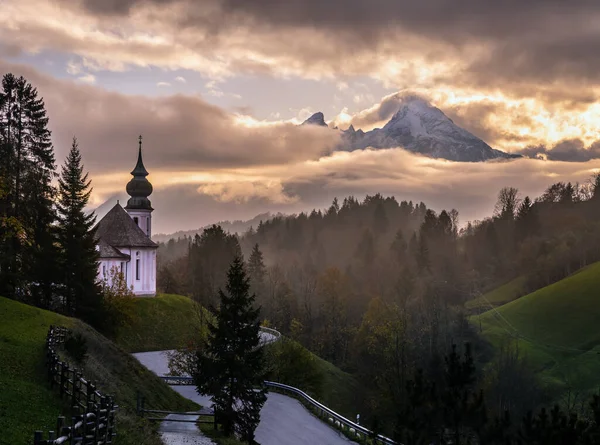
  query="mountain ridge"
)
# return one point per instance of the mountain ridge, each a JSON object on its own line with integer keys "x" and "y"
{"x": 421, "y": 128}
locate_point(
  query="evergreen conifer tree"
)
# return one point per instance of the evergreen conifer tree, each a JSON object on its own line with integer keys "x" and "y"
{"x": 26, "y": 205}
{"x": 78, "y": 257}
{"x": 231, "y": 366}
{"x": 257, "y": 272}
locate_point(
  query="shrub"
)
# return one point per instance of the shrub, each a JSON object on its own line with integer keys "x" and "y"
{"x": 76, "y": 347}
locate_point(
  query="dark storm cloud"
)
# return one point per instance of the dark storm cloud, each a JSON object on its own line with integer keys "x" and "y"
{"x": 180, "y": 132}
{"x": 458, "y": 18}
{"x": 571, "y": 150}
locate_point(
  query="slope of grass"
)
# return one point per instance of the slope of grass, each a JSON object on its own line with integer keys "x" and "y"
{"x": 160, "y": 323}
{"x": 26, "y": 401}
{"x": 28, "y": 404}
{"x": 170, "y": 321}
{"x": 501, "y": 295}
{"x": 341, "y": 391}
{"x": 292, "y": 364}
{"x": 557, "y": 328}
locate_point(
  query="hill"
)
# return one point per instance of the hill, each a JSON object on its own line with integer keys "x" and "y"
{"x": 556, "y": 328}
{"x": 160, "y": 323}
{"x": 237, "y": 226}
{"x": 498, "y": 296}
{"x": 171, "y": 321}
{"x": 26, "y": 401}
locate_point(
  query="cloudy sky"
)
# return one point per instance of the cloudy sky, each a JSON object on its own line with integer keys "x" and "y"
{"x": 217, "y": 88}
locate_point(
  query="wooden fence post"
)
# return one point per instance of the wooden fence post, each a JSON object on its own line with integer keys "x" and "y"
{"x": 110, "y": 424}
{"x": 60, "y": 423}
{"x": 38, "y": 438}
{"x": 62, "y": 378}
{"x": 215, "y": 421}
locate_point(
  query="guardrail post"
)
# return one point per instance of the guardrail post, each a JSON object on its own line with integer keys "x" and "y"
{"x": 38, "y": 438}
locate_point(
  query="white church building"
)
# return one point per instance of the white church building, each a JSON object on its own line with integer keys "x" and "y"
{"x": 123, "y": 236}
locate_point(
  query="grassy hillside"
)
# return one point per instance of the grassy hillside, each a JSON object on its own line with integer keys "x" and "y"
{"x": 26, "y": 401}
{"x": 341, "y": 391}
{"x": 28, "y": 404}
{"x": 170, "y": 321}
{"x": 292, "y": 364}
{"x": 557, "y": 328}
{"x": 497, "y": 297}
{"x": 162, "y": 322}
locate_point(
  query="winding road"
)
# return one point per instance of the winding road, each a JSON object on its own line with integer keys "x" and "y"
{"x": 283, "y": 420}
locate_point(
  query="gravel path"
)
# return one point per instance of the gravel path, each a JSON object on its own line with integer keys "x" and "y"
{"x": 283, "y": 420}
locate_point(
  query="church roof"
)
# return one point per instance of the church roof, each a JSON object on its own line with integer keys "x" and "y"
{"x": 118, "y": 229}
{"x": 108, "y": 251}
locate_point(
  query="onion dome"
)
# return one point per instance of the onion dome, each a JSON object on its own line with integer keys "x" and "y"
{"x": 139, "y": 188}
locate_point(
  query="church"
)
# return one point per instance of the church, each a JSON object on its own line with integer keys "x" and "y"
{"x": 124, "y": 236}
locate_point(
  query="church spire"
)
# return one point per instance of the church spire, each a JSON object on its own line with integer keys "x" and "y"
{"x": 139, "y": 169}
{"x": 139, "y": 188}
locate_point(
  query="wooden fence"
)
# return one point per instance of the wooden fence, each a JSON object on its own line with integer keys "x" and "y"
{"x": 93, "y": 420}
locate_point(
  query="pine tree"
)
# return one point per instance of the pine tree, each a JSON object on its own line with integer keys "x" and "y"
{"x": 76, "y": 235}
{"x": 257, "y": 272}
{"x": 26, "y": 206}
{"x": 231, "y": 366}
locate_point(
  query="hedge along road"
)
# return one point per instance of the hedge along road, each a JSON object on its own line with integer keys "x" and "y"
{"x": 283, "y": 420}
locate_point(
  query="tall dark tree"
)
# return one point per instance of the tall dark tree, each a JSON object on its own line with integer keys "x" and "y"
{"x": 78, "y": 257}
{"x": 231, "y": 366}
{"x": 257, "y": 272}
{"x": 26, "y": 206}
{"x": 210, "y": 254}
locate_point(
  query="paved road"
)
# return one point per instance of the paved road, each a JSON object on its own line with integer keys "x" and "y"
{"x": 283, "y": 420}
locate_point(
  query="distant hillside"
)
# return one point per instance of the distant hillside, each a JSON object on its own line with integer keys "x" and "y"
{"x": 237, "y": 226}
{"x": 556, "y": 328}
{"x": 27, "y": 403}
{"x": 499, "y": 296}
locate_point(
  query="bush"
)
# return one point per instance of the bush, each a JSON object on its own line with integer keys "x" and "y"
{"x": 76, "y": 347}
{"x": 118, "y": 303}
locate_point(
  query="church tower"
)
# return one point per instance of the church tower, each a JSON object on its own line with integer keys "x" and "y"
{"x": 139, "y": 188}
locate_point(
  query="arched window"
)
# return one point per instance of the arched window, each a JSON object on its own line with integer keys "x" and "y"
{"x": 136, "y": 221}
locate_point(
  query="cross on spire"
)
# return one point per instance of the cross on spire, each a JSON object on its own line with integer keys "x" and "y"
{"x": 140, "y": 139}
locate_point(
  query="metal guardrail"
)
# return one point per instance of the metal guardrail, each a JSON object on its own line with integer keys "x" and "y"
{"x": 325, "y": 413}
{"x": 333, "y": 417}
{"x": 337, "y": 420}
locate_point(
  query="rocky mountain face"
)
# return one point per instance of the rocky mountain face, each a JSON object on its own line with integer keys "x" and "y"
{"x": 420, "y": 128}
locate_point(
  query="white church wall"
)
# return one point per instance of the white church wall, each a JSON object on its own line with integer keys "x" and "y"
{"x": 143, "y": 283}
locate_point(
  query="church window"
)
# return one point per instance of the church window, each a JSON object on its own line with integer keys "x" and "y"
{"x": 136, "y": 220}
{"x": 104, "y": 270}
{"x": 137, "y": 266}
{"x": 148, "y": 226}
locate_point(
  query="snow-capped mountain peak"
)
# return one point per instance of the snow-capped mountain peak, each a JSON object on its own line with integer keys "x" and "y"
{"x": 419, "y": 127}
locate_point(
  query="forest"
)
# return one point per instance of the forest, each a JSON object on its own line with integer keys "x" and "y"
{"x": 378, "y": 286}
